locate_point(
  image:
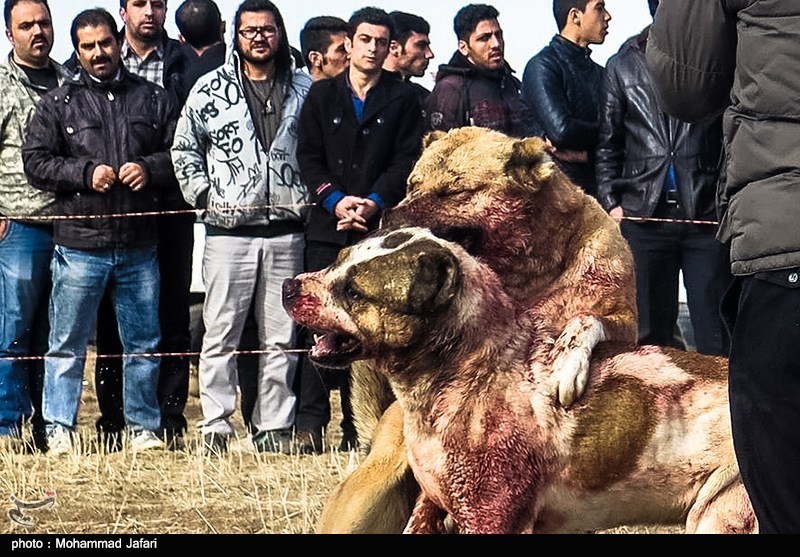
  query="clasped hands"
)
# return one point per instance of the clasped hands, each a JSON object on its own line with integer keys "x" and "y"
{"x": 353, "y": 213}
{"x": 131, "y": 174}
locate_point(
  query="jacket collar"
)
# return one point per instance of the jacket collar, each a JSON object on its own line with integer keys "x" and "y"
{"x": 379, "y": 96}
{"x": 460, "y": 65}
{"x": 570, "y": 49}
{"x": 61, "y": 72}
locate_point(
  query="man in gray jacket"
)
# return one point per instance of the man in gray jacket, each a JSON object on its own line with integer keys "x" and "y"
{"x": 26, "y": 234}
{"x": 234, "y": 156}
{"x": 740, "y": 56}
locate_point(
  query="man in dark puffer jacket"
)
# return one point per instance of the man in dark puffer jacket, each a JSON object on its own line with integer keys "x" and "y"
{"x": 740, "y": 57}
{"x": 561, "y": 85}
{"x": 477, "y": 87}
{"x": 101, "y": 143}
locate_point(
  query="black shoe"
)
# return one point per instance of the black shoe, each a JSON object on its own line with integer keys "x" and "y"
{"x": 349, "y": 442}
{"x": 215, "y": 444}
{"x": 273, "y": 441}
{"x": 309, "y": 441}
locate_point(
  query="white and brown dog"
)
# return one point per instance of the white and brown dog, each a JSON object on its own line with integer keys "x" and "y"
{"x": 650, "y": 442}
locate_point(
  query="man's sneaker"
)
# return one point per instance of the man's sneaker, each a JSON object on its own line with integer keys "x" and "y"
{"x": 215, "y": 444}
{"x": 273, "y": 441}
{"x": 145, "y": 440}
{"x": 59, "y": 440}
{"x": 309, "y": 441}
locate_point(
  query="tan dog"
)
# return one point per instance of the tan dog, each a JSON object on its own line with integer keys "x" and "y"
{"x": 650, "y": 442}
{"x": 554, "y": 248}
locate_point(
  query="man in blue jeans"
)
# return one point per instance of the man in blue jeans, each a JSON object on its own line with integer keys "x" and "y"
{"x": 101, "y": 144}
{"x": 26, "y": 236}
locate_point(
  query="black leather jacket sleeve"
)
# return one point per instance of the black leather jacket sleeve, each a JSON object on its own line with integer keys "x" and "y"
{"x": 611, "y": 141}
{"x": 545, "y": 94}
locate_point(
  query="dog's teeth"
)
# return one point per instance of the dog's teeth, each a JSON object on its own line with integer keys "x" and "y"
{"x": 317, "y": 338}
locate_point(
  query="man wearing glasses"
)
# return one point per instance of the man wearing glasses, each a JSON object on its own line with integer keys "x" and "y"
{"x": 234, "y": 156}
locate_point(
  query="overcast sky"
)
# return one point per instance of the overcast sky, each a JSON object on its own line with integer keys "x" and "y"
{"x": 528, "y": 24}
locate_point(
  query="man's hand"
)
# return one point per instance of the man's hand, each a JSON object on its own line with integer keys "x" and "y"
{"x": 102, "y": 178}
{"x": 133, "y": 175}
{"x": 347, "y": 211}
{"x": 617, "y": 213}
{"x": 3, "y": 228}
{"x": 566, "y": 155}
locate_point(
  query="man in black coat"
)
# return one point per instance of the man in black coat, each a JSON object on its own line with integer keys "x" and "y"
{"x": 561, "y": 85}
{"x": 202, "y": 34}
{"x": 359, "y": 136}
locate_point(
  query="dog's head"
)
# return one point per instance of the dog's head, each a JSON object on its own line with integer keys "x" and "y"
{"x": 393, "y": 291}
{"x": 496, "y": 196}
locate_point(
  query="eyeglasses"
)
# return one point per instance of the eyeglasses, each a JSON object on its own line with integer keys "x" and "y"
{"x": 250, "y": 33}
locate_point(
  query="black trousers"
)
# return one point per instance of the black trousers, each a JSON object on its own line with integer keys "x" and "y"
{"x": 660, "y": 252}
{"x": 176, "y": 241}
{"x": 313, "y": 384}
{"x": 763, "y": 315}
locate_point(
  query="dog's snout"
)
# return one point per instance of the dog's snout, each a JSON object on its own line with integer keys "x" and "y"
{"x": 291, "y": 291}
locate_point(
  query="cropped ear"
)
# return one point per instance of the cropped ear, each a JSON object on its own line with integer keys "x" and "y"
{"x": 529, "y": 162}
{"x": 436, "y": 280}
{"x": 431, "y": 137}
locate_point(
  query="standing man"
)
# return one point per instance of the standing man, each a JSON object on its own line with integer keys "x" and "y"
{"x": 148, "y": 53}
{"x": 322, "y": 46}
{"x": 739, "y": 56}
{"x": 477, "y": 87}
{"x": 410, "y": 50}
{"x": 202, "y": 34}
{"x": 359, "y": 135}
{"x": 652, "y": 165}
{"x": 26, "y": 245}
{"x": 561, "y": 85}
{"x": 235, "y": 157}
{"x": 101, "y": 144}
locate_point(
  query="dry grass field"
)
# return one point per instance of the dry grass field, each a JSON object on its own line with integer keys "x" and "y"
{"x": 163, "y": 492}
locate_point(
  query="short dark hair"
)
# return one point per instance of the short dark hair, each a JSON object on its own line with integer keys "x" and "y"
{"x": 405, "y": 24}
{"x": 561, "y": 10}
{"x": 95, "y": 17}
{"x": 373, "y": 16}
{"x": 315, "y": 36}
{"x": 11, "y": 4}
{"x": 283, "y": 58}
{"x": 200, "y": 22}
{"x": 123, "y": 3}
{"x": 468, "y": 18}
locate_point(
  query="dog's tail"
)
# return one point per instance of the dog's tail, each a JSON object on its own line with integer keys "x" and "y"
{"x": 378, "y": 497}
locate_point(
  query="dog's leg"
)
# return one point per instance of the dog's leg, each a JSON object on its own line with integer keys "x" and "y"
{"x": 427, "y": 518}
{"x": 570, "y": 357}
{"x": 722, "y": 505}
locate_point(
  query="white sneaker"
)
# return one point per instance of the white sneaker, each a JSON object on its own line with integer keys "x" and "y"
{"x": 59, "y": 440}
{"x": 144, "y": 440}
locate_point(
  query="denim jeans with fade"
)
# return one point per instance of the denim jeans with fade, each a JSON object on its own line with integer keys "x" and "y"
{"x": 79, "y": 279}
{"x": 25, "y": 252}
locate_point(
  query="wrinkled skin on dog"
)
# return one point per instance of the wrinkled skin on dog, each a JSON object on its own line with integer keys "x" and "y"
{"x": 489, "y": 447}
{"x": 553, "y": 247}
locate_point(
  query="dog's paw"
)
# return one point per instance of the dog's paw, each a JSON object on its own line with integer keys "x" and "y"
{"x": 571, "y": 374}
{"x": 570, "y": 358}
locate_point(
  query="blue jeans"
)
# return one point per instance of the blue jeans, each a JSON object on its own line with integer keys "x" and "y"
{"x": 25, "y": 253}
{"x": 79, "y": 279}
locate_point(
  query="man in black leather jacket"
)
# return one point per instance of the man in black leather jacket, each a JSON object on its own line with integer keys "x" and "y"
{"x": 101, "y": 143}
{"x": 650, "y": 164}
{"x": 561, "y": 85}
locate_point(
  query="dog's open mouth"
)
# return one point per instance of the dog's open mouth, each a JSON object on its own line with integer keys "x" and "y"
{"x": 336, "y": 350}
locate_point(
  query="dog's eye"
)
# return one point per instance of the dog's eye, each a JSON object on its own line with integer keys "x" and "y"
{"x": 351, "y": 293}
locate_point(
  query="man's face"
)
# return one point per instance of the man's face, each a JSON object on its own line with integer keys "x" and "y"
{"x": 369, "y": 47}
{"x": 258, "y": 37}
{"x": 334, "y": 59}
{"x": 414, "y": 56}
{"x": 144, "y": 19}
{"x": 98, "y": 51}
{"x": 31, "y": 33}
{"x": 485, "y": 47}
{"x": 594, "y": 22}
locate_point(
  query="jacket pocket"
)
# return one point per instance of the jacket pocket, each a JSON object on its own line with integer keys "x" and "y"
{"x": 86, "y": 138}
{"x": 144, "y": 134}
